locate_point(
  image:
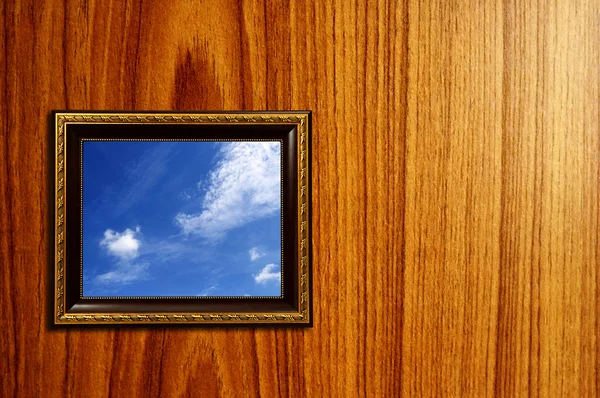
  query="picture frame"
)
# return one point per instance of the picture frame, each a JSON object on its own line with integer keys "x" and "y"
{"x": 75, "y": 130}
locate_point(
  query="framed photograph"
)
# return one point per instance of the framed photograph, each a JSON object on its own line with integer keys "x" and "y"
{"x": 182, "y": 218}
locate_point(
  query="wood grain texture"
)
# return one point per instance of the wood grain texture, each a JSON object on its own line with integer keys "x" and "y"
{"x": 456, "y": 192}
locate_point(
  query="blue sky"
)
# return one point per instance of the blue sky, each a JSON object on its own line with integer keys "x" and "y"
{"x": 181, "y": 218}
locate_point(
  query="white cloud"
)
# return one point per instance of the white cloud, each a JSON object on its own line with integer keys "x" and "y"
{"x": 255, "y": 254}
{"x": 123, "y": 245}
{"x": 267, "y": 274}
{"x": 245, "y": 185}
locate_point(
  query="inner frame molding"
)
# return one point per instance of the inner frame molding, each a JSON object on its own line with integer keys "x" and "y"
{"x": 291, "y": 128}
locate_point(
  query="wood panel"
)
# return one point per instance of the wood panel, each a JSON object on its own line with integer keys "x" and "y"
{"x": 456, "y": 163}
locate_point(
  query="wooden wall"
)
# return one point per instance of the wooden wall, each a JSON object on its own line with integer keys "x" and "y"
{"x": 456, "y": 191}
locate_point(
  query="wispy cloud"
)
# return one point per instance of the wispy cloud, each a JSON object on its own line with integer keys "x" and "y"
{"x": 267, "y": 274}
{"x": 255, "y": 254}
{"x": 245, "y": 185}
{"x": 124, "y": 273}
{"x": 144, "y": 175}
{"x": 139, "y": 177}
{"x": 191, "y": 192}
{"x": 124, "y": 247}
{"x": 185, "y": 195}
{"x": 209, "y": 290}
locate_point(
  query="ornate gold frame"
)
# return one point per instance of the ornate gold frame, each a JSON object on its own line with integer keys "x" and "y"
{"x": 300, "y": 120}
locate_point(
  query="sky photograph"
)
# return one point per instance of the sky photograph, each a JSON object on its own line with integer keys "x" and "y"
{"x": 173, "y": 219}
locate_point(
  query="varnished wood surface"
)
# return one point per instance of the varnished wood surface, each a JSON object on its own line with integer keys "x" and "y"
{"x": 456, "y": 169}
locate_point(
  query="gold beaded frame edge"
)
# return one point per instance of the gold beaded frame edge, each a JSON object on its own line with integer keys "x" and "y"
{"x": 299, "y": 118}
